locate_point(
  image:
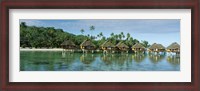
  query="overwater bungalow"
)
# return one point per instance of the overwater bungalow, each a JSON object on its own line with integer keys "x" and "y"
{"x": 87, "y": 45}
{"x": 156, "y": 48}
{"x": 68, "y": 45}
{"x": 122, "y": 47}
{"x": 108, "y": 47}
{"x": 174, "y": 48}
{"x": 138, "y": 48}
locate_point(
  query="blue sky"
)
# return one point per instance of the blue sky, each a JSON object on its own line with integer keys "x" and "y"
{"x": 164, "y": 31}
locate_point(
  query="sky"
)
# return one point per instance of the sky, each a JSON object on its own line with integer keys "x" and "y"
{"x": 163, "y": 31}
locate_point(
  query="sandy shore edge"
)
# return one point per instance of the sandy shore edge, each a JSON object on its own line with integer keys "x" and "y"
{"x": 42, "y": 49}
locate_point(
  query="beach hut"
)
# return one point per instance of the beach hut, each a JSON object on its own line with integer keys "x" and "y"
{"x": 87, "y": 45}
{"x": 138, "y": 48}
{"x": 108, "y": 47}
{"x": 174, "y": 47}
{"x": 68, "y": 45}
{"x": 122, "y": 47}
{"x": 156, "y": 48}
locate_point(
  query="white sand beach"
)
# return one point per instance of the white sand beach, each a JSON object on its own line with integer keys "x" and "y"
{"x": 41, "y": 49}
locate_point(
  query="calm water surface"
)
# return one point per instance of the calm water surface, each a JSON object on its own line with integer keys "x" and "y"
{"x": 56, "y": 61}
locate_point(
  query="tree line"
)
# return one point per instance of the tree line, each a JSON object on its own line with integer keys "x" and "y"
{"x": 49, "y": 37}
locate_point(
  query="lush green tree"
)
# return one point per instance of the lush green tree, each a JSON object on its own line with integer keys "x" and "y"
{"x": 128, "y": 36}
{"x": 92, "y": 28}
{"x": 82, "y": 31}
{"x": 101, "y": 34}
{"x": 49, "y": 37}
{"x": 145, "y": 43}
{"x": 23, "y": 25}
{"x": 135, "y": 41}
{"x": 116, "y": 37}
{"x": 112, "y": 34}
{"x": 120, "y": 36}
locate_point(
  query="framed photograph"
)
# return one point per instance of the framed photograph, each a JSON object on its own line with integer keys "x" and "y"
{"x": 100, "y": 45}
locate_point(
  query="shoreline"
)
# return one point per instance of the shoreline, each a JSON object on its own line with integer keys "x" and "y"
{"x": 41, "y": 49}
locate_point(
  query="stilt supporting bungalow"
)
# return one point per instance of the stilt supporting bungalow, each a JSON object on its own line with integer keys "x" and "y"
{"x": 157, "y": 49}
{"x": 68, "y": 46}
{"x": 122, "y": 47}
{"x": 174, "y": 48}
{"x": 87, "y": 46}
{"x": 138, "y": 48}
{"x": 108, "y": 47}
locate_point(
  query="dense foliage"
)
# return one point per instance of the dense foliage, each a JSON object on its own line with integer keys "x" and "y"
{"x": 49, "y": 37}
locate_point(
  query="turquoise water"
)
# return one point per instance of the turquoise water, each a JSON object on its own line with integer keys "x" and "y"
{"x": 56, "y": 61}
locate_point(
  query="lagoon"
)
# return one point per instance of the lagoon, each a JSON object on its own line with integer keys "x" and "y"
{"x": 57, "y": 61}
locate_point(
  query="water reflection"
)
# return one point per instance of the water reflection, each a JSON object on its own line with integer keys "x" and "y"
{"x": 56, "y": 61}
{"x": 121, "y": 60}
{"x": 65, "y": 62}
{"x": 156, "y": 58}
{"x": 139, "y": 57}
{"x": 107, "y": 58}
{"x": 87, "y": 58}
{"x": 173, "y": 59}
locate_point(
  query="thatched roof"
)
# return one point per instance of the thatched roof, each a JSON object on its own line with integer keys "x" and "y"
{"x": 121, "y": 44}
{"x": 174, "y": 46}
{"x": 152, "y": 46}
{"x": 107, "y": 44}
{"x": 87, "y": 43}
{"x": 156, "y": 46}
{"x": 68, "y": 43}
{"x": 138, "y": 45}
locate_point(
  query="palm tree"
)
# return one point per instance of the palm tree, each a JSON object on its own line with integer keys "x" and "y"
{"x": 116, "y": 36}
{"x": 82, "y": 31}
{"x": 88, "y": 35}
{"x": 98, "y": 36}
{"x": 122, "y": 35}
{"x": 92, "y": 28}
{"x": 112, "y": 34}
{"x": 130, "y": 41}
{"x": 23, "y": 24}
{"x": 101, "y": 35}
{"x": 145, "y": 43}
{"x": 128, "y": 36}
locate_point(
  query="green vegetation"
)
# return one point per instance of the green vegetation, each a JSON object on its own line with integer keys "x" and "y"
{"x": 49, "y": 37}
